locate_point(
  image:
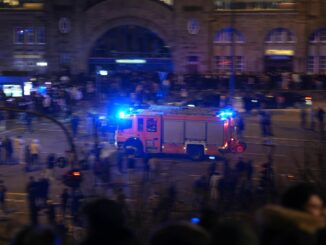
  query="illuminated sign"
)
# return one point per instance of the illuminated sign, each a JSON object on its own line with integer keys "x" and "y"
{"x": 12, "y": 90}
{"x": 28, "y": 86}
{"x": 279, "y": 52}
{"x": 130, "y": 61}
{"x": 42, "y": 64}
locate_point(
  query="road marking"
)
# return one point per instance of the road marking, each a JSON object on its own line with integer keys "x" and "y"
{"x": 17, "y": 193}
{"x": 288, "y": 139}
{"x": 264, "y": 155}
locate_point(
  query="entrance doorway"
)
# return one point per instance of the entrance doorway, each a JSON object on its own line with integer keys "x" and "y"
{"x": 133, "y": 48}
{"x": 278, "y": 63}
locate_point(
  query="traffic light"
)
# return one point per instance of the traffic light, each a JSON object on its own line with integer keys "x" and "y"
{"x": 73, "y": 178}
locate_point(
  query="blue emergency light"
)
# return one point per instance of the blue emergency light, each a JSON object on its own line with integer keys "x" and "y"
{"x": 122, "y": 115}
{"x": 225, "y": 114}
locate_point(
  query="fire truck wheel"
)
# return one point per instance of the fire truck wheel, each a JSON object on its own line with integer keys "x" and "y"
{"x": 195, "y": 152}
{"x": 241, "y": 147}
{"x": 133, "y": 147}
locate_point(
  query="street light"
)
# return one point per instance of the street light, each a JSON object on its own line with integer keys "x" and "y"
{"x": 42, "y": 64}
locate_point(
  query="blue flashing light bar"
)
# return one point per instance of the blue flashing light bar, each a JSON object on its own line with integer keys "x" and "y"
{"x": 122, "y": 115}
{"x": 195, "y": 220}
{"x": 225, "y": 114}
{"x": 131, "y": 61}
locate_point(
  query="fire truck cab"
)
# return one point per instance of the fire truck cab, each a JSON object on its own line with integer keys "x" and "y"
{"x": 176, "y": 130}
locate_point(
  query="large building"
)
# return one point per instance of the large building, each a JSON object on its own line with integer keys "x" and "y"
{"x": 183, "y": 36}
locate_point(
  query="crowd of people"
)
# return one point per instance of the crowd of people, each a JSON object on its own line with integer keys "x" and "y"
{"x": 298, "y": 218}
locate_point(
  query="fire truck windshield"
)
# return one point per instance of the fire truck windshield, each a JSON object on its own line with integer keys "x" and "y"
{"x": 124, "y": 124}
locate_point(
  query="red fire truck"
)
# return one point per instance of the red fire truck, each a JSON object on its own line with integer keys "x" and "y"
{"x": 176, "y": 130}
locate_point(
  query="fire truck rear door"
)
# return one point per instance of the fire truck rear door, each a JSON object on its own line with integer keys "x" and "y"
{"x": 152, "y": 134}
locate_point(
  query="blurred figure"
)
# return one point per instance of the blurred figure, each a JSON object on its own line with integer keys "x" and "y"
{"x": 312, "y": 115}
{"x": 303, "y": 118}
{"x": 7, "y": 144}
{"x": 36, "y": 235}
{"x": 29, "y": 122}
{"x": 32, "y": 191}
{"x": 3, "y": 191}
{"x": 64, "y": 201}
{"x": 305, "y": 198}
{"x": 35, "y": 152}
{"x": 213, "y": 185}
{"x": 234, "y": 233}
{"x": 320, "y": 117}
{"x": 106, "y": 224}
{"x": 180, "y": 234}
{"x": 19, "y": 145}
{"x": 74, "y": 122}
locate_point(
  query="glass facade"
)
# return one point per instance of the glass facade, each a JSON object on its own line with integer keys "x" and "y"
{"x": 255, "y": 5}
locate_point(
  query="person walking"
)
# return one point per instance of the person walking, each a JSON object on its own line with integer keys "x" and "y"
{"x": 74, "y": 122}
{"x": 8, "y": 149}
{"x": 312, "y": 114}
{"x": 19, "y": 146}
{"x": 213, "y": 185}
{"x": 303, "y": 118}
{"x": 31, "y": 190}
{"x": 35, "y": 152}
{"x": 64, "y": 201}
{"x": 29, "y": 122}
{"x": 28, "y": 158}
{"x": 3, "y": 191}
{"x": 320, "y": 117}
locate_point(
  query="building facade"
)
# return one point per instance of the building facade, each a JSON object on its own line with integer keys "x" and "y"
{"x": 183, "y": 36}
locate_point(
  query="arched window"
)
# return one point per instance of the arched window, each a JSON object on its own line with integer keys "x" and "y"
{"x": 316, "y": 60}
{"x": 318, "y": 36}
{"x": 280, "y": 35}
{"x": 225, "y": 36}
{"x": 222, "y": 51}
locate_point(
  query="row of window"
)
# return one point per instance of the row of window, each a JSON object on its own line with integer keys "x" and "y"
{"x": 316, "y": 64}
{"x": 252, "y": 5}
{"x": 277, "y": 35}
{"x": 29, "y": 35}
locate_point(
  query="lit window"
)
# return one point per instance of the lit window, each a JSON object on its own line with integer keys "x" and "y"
{"x": 19, "y": 35}
{"x": 40, "y": 35}
{"x": 228, "y": 35}
{"x": 280, "y": 35}
{"x": 151, "y": 125}
{"x": 311, "y": 65}
{"x": 322, "y": 64}
{"x": 29, "y": 35}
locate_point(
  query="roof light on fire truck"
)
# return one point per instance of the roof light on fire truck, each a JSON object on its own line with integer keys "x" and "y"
{"x": 223, "y": 115}
{"x": 122, "y": 115}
